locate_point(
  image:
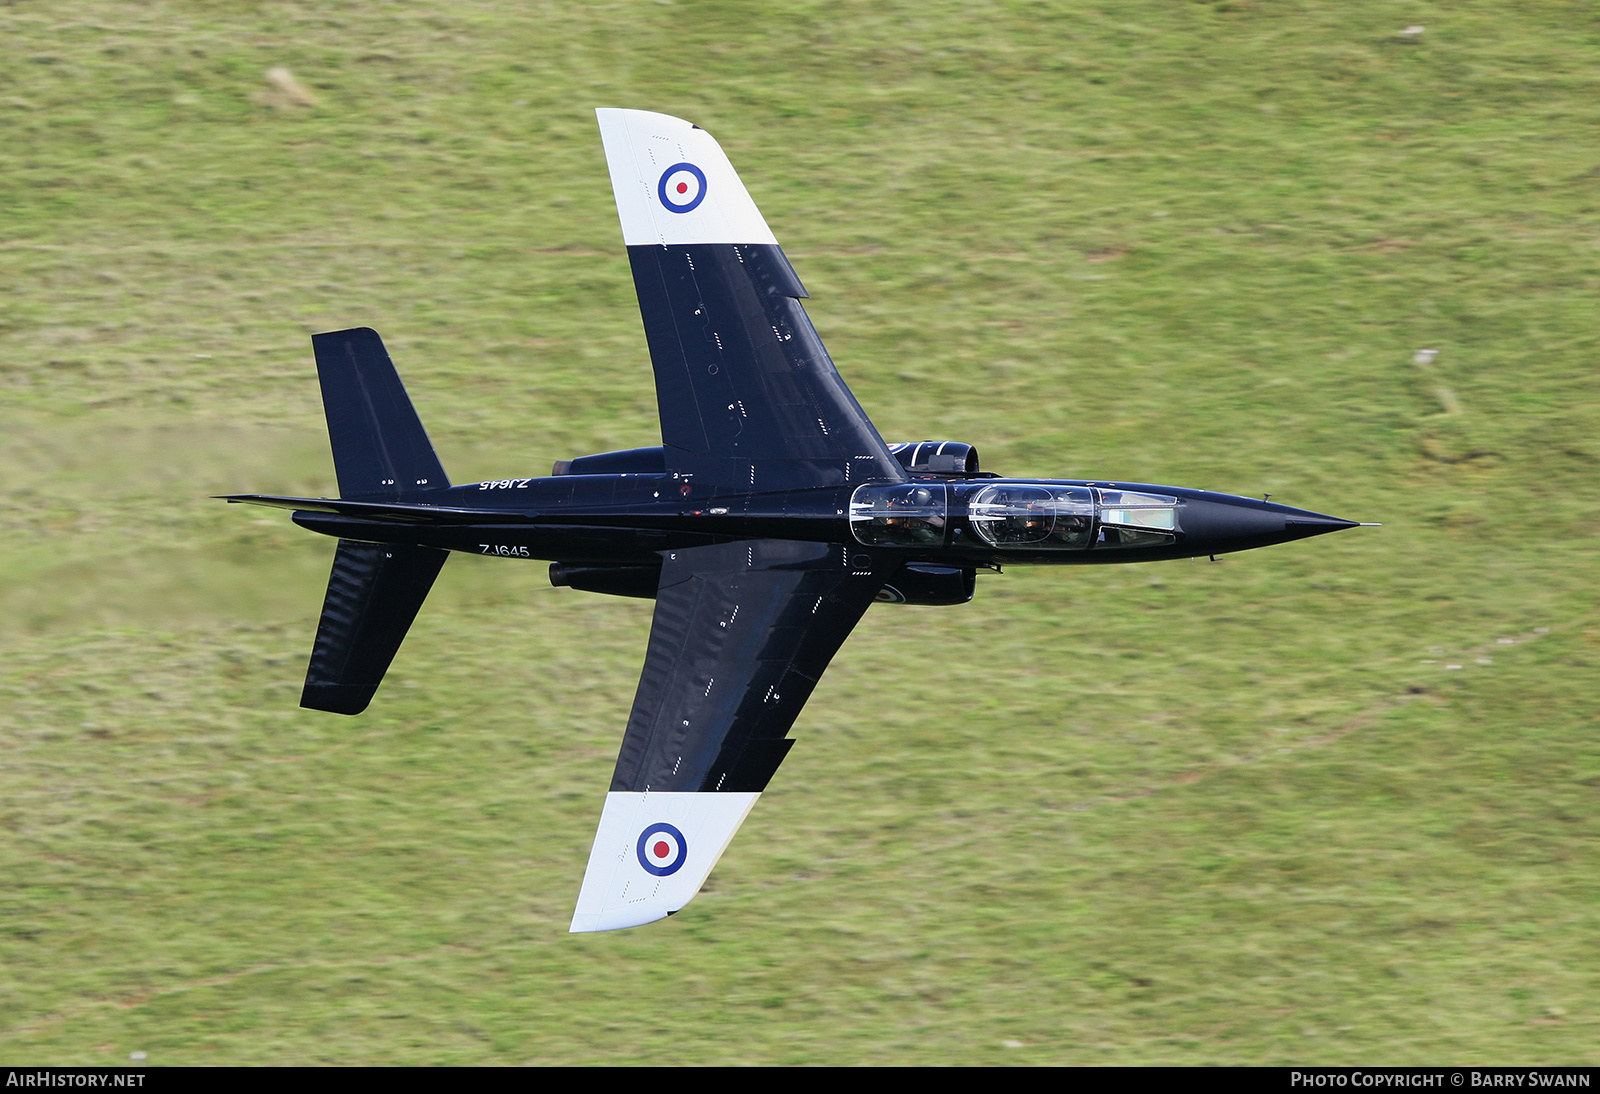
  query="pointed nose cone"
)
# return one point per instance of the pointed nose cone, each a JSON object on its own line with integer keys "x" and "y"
{"x": 1219, "y": 524}
{"x": 1305, "y": 523}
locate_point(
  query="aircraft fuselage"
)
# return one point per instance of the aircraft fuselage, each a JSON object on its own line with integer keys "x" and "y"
{"x": 628, "y": 519}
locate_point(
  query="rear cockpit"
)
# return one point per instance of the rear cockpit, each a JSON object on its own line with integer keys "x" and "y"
{"x": 906, "y": 515}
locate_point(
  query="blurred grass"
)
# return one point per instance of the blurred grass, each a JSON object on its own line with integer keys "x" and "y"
{"x": 1332, "y": 802}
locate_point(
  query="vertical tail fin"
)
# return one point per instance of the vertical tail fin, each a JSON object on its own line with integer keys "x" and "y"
{"x": 379, "y": 445}
{"x": 374, "y": 593}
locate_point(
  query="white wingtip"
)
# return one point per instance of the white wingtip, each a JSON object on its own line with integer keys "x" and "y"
{"x": 652, "y": 853}
{"x": 674, "y": 184}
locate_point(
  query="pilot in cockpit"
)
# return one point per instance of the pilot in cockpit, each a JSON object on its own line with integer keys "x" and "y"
{"x": 913, "y": 517}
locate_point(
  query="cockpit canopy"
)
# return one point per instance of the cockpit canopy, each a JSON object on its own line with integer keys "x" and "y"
{"x": 1025, "y": 516}
{"x": 1035, "y": 516}
{"x": 912, "y": 515}
{"x": 1137, "y": 520}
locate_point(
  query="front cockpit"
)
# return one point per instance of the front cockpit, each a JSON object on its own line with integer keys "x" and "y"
{"x": 1012, "y": 516}
{"x": 1033, "y": 516}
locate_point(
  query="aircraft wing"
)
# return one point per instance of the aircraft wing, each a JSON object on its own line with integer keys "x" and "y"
{"x": 748, "y": 396}
{"x": 742, "y": 633}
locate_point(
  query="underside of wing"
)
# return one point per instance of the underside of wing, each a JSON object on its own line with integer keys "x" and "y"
{"x": 742, "y": 632}
{"x": 747, "y": 394}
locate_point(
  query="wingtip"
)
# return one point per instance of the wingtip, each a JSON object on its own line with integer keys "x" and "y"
{"x": 652, "y": 853}
{"x": 596, "y": 923}
{"x": 673, "y": 183}
{"x": 337, "y": 698}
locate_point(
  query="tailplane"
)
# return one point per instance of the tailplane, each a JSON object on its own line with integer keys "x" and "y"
{"x": 380, "y": 453}
{"x": 374, "y": 593}
{"x": 379, "y": 445}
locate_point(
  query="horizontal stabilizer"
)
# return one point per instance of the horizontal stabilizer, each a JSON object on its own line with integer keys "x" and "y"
{"x": 374, "y": 593}
{"x": 379, "y": 445}
{"x": 397, "y": 511}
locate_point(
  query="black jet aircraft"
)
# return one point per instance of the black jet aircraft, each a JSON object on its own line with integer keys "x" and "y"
{"x": 765, "y": 523}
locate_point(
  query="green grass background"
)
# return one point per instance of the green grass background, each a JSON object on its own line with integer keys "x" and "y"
{"x": 1332, "y": 802}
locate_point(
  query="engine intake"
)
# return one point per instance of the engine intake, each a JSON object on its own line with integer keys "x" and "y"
{"x": 627, "y": 461}
{"x": 926, "y": 583}
{"x": 639, "y": 581}
{"x": 937, "y": 457}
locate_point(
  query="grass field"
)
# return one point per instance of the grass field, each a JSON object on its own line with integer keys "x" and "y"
{"x": 1331, "y": 802}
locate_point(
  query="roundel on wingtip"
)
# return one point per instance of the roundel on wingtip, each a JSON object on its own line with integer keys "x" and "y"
{"x": 661, "y": 849}
{"x": 682, "y": 187}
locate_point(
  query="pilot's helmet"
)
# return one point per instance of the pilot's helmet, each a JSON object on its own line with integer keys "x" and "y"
{"x": 922, "y": 495}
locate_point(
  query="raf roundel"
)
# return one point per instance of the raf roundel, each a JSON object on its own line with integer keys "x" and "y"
{"x": 662, "y": 849}
{"x": 682, "y": 187}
